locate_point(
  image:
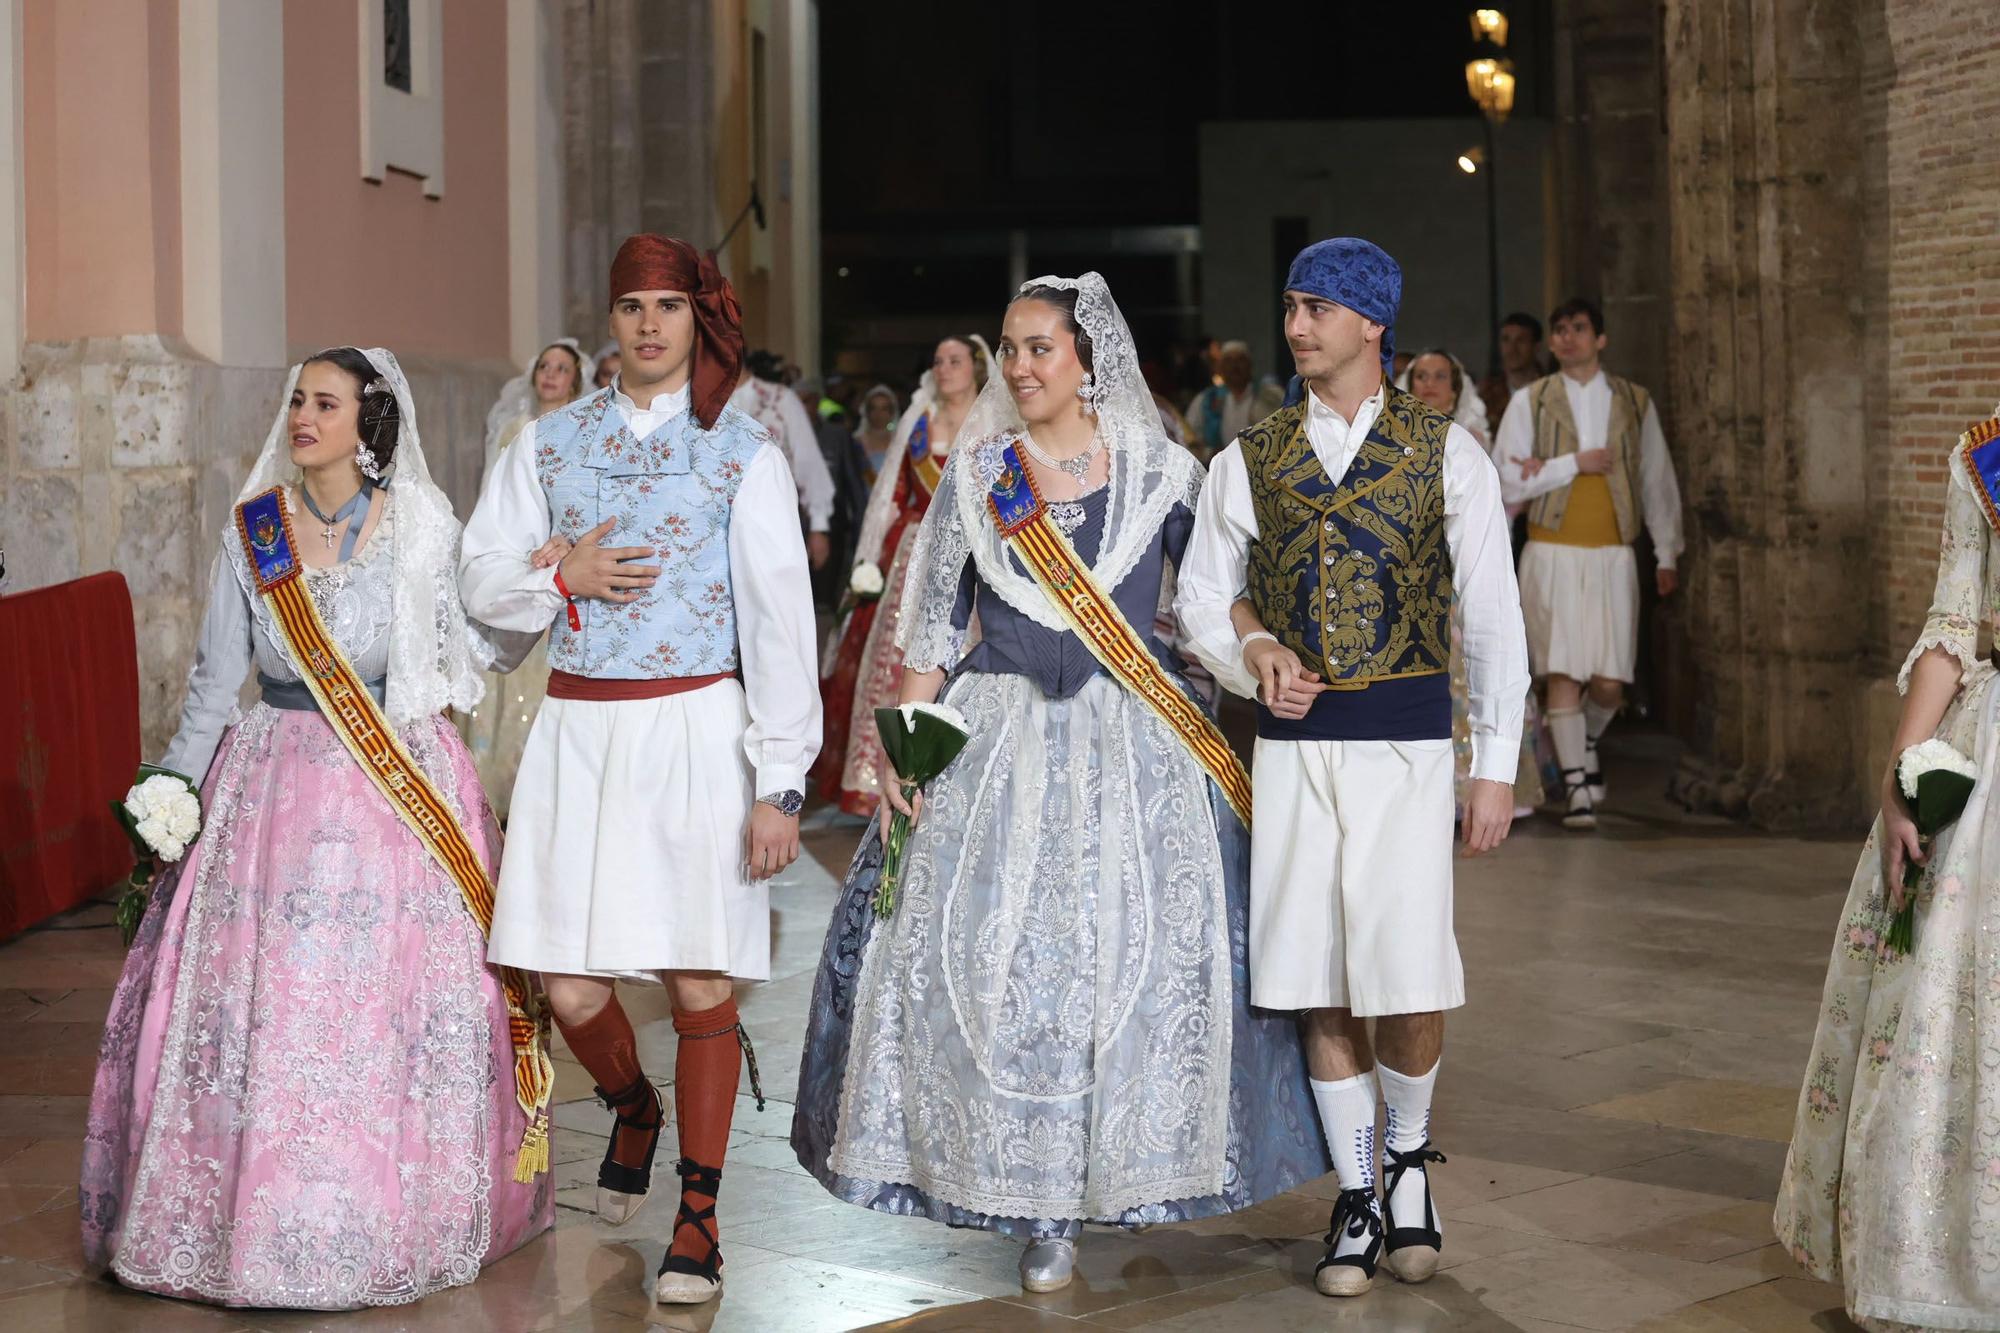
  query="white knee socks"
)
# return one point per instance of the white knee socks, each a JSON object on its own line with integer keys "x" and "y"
{"x": 1566, "y": 729}
{"x": 1409, "y": 1101}
{"x": 1596, "y": 717}
{"x": 1408, "y": 1097}
{"x": 1347, "y": 1118}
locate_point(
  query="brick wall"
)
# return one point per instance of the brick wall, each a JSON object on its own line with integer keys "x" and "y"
{"x": 1929, "y": 135}
{"x": 1833, "y": 189}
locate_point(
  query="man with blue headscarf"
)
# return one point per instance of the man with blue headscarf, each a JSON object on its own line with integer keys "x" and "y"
{"x": 1332, "y": 541}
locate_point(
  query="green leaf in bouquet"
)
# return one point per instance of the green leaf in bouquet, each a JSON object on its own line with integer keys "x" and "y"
{"x": 895, "y": 736}
{"x": 131, "y": 910}
{"x": 918, "y": 750}
{"x": 129, "y": 824}
{"x": 1941, "y": 798}
{"x": 921, "y": 752}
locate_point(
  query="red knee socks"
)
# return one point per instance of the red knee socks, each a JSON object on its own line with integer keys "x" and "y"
{"x": 604, "y": 1045}
{"x": 706, "y": 1072}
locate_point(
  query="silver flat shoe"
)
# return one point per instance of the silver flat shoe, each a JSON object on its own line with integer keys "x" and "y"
{"x": 1048, "y": 1263}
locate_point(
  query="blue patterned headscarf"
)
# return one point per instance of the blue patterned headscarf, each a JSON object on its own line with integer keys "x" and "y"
{"x": 1357, "y": 274}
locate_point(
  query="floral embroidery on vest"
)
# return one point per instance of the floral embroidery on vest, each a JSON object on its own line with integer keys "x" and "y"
{"x": 672, "y": 491}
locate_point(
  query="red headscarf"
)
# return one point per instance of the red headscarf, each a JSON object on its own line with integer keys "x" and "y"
{"x": 649, "y": 263}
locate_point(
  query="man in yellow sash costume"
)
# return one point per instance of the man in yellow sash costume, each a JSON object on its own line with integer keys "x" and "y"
{"x": 1335, "y": 535}
{"x": 1583, "y": 449}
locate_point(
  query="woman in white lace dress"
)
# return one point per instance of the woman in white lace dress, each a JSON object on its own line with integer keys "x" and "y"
{"x": 1053, "y": 1027}
{"x": 306, "y": 1091}
{"x": 1892, "y": 1184}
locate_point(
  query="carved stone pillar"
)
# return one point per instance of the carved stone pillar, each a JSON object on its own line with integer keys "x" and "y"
{"x": 1767, "y": 373}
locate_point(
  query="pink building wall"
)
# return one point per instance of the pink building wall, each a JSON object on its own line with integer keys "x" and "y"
{"x": 101, "y": 167}
{"x": 371, "y": 263}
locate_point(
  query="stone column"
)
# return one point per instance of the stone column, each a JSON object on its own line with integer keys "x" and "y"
{"x": 1765, "y": 222}
{"x": 638, "y": 146}
{"x": 1610, "y": 167}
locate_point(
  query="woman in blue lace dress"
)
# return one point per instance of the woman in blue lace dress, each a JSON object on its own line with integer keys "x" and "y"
{"x": 1053, "y": 1026}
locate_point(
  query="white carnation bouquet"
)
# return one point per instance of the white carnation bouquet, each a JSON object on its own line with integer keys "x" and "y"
{"x": 866, "y": 581}
{"x": 1936, "y": 782}
{"x": 162, "y": 816}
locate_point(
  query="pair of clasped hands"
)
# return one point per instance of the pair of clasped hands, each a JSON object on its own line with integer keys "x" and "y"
{"x": 592, "y": 569}
{"x": 1288, "y": 689}
{"x": 1597, "y": 463}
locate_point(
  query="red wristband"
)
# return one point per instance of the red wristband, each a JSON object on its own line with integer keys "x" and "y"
{"x": 569, "y": 601}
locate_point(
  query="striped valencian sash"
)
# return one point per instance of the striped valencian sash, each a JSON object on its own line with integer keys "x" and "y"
{"x": 265, "y": 526}
{"x": 925, "y": 465}
{"x": 1024, "y": 524}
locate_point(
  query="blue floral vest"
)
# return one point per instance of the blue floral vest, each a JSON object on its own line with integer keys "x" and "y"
{"x": 672, "y": 491}
{"x": 1354, "y": 576}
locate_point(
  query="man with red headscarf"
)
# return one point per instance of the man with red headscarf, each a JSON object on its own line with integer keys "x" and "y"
{"x": 660, "y": 786}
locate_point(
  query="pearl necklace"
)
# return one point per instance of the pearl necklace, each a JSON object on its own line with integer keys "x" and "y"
{"x": 1077, "y": 467}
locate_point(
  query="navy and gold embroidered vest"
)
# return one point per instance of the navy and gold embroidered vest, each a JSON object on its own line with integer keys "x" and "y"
{"x": 1354, "y": 576}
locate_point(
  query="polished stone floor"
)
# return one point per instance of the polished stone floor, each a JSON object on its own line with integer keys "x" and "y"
{"x": 1614, "y": 1101}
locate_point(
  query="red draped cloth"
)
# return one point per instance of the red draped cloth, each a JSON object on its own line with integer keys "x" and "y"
{"x": 69, "y": 744}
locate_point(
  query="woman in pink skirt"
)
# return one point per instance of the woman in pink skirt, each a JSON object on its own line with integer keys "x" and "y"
{"x": 306, "y": 1092}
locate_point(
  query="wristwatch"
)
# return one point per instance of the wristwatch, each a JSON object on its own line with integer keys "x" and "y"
{"x": 787, "y": 803}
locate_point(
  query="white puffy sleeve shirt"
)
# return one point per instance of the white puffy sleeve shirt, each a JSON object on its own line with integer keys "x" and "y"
{"x": 779, "y": 411}
{"x": 1215, "y": 574}
{"x": 769, "y": 582}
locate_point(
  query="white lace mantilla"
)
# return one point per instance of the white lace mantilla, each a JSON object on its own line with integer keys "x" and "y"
{"x": 437, "y": 657}
{"x": 1149, "y": 475}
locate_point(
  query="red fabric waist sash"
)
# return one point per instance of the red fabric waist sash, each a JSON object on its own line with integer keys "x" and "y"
{"x": 564, "y": 685}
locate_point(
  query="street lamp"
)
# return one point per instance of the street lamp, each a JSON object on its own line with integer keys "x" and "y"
{"x": 1489, "y": 81}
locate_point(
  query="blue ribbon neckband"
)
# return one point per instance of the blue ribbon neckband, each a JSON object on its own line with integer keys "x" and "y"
{"x": 269, "y": 536}
{"x": 920, "y": 437}
{"x": 1982, "y": 461}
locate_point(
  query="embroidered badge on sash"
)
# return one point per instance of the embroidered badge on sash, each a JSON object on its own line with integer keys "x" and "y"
{"x": 266, "y": 526}
{"x": 1016, "y": 501}
{"x": 1982, "y": 463}
{"x": 925, "y": 465}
